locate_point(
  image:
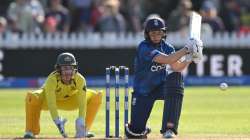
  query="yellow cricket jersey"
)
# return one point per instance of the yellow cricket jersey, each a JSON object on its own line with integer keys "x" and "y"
{"x": 55, "y": 90}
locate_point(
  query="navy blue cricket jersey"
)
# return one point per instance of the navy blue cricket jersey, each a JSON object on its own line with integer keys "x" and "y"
{"x": 149, "y": 74}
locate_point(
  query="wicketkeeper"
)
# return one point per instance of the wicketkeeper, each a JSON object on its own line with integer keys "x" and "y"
{"x": 65, "y": 89}
{"x": 158, "y": 77}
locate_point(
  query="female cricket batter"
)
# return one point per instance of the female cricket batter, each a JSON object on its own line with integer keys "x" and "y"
{"x": 158, "y": 77}
{"x": 65, "y": 89}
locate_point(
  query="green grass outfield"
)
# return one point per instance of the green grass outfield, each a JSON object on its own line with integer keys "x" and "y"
{"x": 207, "y": 112}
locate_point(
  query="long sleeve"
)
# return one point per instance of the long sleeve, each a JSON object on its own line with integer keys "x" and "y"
{"x": 81, "y": 87}
{"x": 50, "y": 87}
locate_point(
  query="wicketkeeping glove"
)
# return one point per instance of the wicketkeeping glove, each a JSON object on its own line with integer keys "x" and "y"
{"x": 80, "y": 128}
{"x": 60, "y": 122}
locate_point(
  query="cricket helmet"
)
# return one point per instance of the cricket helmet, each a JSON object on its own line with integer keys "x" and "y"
{"x": 154, "y": 23}
{"x": 65, "y": 58}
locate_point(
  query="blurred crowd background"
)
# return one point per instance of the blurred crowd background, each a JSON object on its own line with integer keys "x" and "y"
{"x": 42, "y": 16}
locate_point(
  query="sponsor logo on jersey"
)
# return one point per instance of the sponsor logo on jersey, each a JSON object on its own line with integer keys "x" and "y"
{"x": 157, "y": 67}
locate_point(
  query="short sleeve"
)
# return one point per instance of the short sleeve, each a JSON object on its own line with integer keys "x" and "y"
{"x": 170, "y": 48}
{"x": 146, "y": 53}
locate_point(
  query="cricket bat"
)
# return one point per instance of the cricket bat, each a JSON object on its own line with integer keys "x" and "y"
{"x": 195, "y": 26}
{"x": 195, "y": 32}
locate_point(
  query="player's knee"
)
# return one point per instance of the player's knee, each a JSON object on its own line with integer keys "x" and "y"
{"x": 174, "y": 95}
{"x": 175, "y": 92}
{"x": 32, "y": 99}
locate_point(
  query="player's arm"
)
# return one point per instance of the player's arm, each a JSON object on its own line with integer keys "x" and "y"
{"x": 191, "y": 47}
{"x": 172, "y": 58}
{"x": 81, "y": 87}
{"x": 50, "y": 87}
{"x": 179, "y": 66}
{"x": 82, "y": 102}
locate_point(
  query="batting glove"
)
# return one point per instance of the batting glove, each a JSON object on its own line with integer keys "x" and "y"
{"x": 198, "y": 54}
{"x": 197, "y": 59}
{"x": 60, "y": 122}
{"x": 190, "y": 46}
{"x": 193, "y": 45}
{"x": 80, "y": 128}
{"x": 188, "y": 57}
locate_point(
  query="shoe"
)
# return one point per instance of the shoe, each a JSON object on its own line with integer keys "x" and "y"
{"x": 148, "y": 130}
{"x": 168, "y": 134}
{"x": 131, "y": 135}
{"x": 90, "y": 135}
{"x": 28, "y": 135}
